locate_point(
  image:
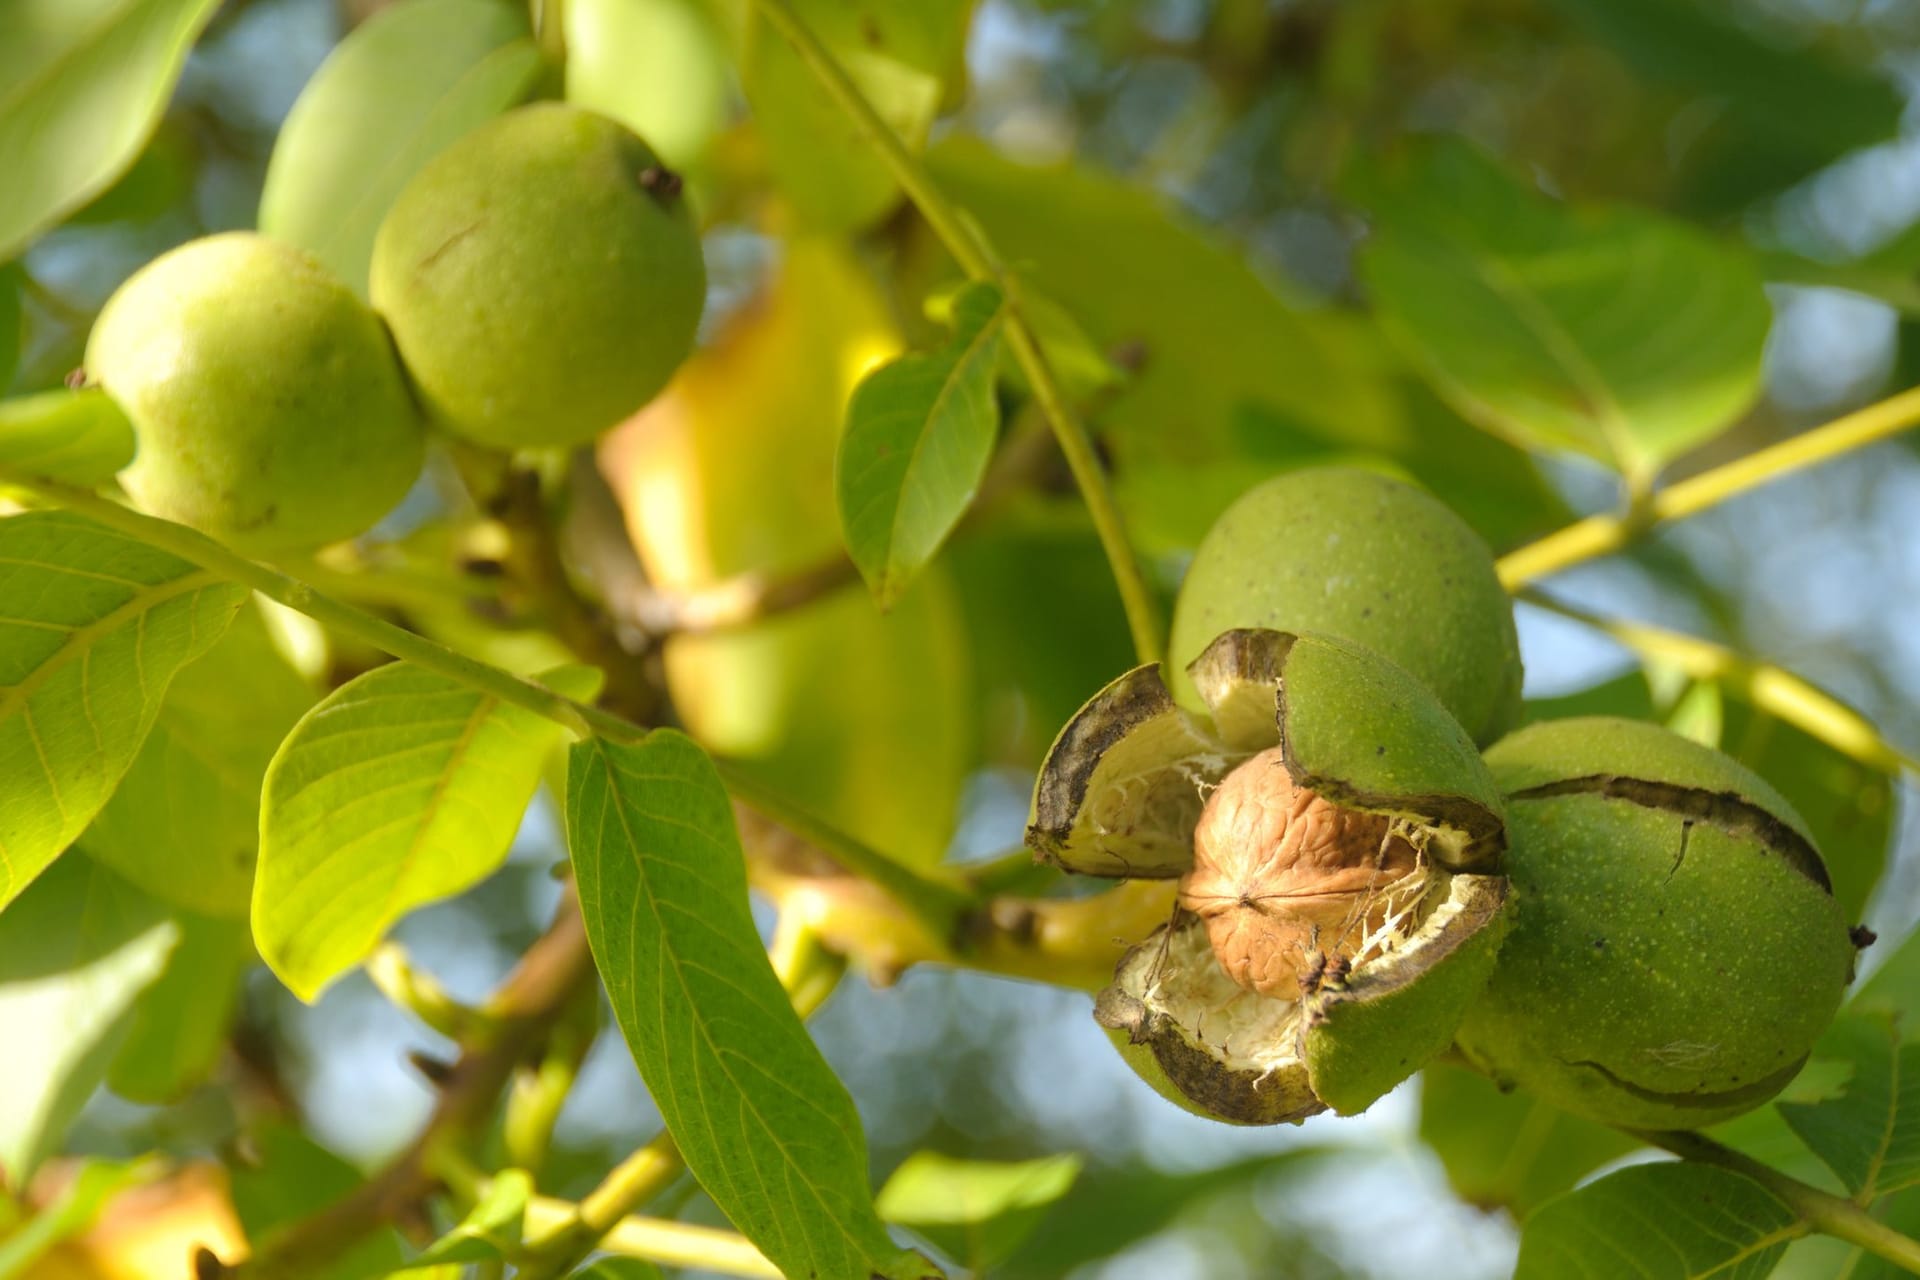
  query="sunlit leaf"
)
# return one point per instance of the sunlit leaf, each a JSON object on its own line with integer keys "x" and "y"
{"x": 898, "y": 55}
{"x": 919, "y": 433}
{"x": 10, "y": 277}
{"x": 71, "y": 1212}
{"x": 76, "y": 952}
{"x": 400, "y": 788}
{"x": 80, "y": 437}
{"x": 184, "y": 823}
{"x": 1508, "y": 1149}
{"x": 398, "y": 89}
{"x": 180, "y": 1024}
{"x": 617, "y": 1269}
{"x": 82, "y": 85}
{"x": 1617, "y": 334}
{"x": 1869, "y": 1135}
{"x": 654, "y": 65}
{"x": 1209, "y": 336}
{"x": 761, "y": 1119}
{"x": 978, "y": 1211}
{"x": 1711, "y": 1222}
{"x": 491, "y": 1231}
{"x": 93, "y": 626}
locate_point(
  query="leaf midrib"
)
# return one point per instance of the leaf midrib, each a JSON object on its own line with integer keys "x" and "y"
{"x": 615, "y": 801}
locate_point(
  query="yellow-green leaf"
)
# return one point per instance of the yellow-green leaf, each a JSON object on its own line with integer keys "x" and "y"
{"x": 93, "y": 626}
{"x": 82, "y": 85}
{"x": 400, "y": 788}
{"x": 762, "y": 1120}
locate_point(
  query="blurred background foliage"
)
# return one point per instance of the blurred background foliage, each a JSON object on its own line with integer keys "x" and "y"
{"x": 1249, "y": 254}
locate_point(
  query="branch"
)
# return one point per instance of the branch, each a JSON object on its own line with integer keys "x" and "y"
{"x": 737, "y": 601}
{"x": 970, "y": 250}
{"x": 939, "y": 904}
{"x": 1602, "y": 535}
{"x": 519, "y": 1015}
{"x": 1824, "y": 1212}
{"x": 809, "y": 973}
{"x": 1769, "y": 687}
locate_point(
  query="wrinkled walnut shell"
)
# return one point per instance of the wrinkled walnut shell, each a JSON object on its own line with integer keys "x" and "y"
{"x": 1287, "y": 881}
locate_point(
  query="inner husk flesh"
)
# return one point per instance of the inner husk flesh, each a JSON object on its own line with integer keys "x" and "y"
{"x": 1291, "y": 886}
{"x": 1244, "y": 1029}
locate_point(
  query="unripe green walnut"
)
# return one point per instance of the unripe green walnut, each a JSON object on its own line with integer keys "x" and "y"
{"x": 542, "y": 277}
{"x": 1366, "y": 558}
{"x": 269, "y": 407}
{"x": 1676, "y": 949}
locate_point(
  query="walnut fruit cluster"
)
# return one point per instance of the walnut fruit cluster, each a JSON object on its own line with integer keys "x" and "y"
{"x": 534, "y": 284}
{"x": 1632, "y": 926}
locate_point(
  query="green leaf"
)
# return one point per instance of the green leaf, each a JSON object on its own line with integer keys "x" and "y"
{"x": 10, "y": 277}
{"x": 400, "y": 788}
{"x": 1895, "y": 986}
{"x": 491, "y": 1231}
{"x": 654, "y": 65}
{"x": 1627, "y": 695}
{"x": 82, "y": 85}
{"x": 761, "y": 1119}
{"x": 920, "y": 431}
{"x": 93, "y": 626}
{"x": 184, "y": 824}
{"x": 1044, "y": 624}
{"x": 1848, "y": 805}
{"x": 76, "y": 952}
{"x": 1112, "y": 1208}
{"x": 979, "y": 1211}
{"x": 617, "y": 1269}
{"x": 898, "y": 55}
{"x": 180, "y": 1024}
{"x": 1617, "y": 333}
{"x": 287, "y": 1177}
{"x": 1508, "y": 1149}
{"x": 403, "y": 85}
{"x": 80, "y": 437}
{"x": 1794, "y": 92}
{"x": 1211, "y": 336}
{"x": 1667, "y": 1221}
{"x": 70, "y": 1213}
{"x": 1870, "y": 1134}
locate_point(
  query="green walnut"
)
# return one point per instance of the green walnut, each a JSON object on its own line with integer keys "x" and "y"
{"x": 268, "y": 405}
{"x": 542, "y": 277}
{"x": 1370, "y": 559}
{"x": 1336, "y": 839}
{"x": 1676, "y": 947}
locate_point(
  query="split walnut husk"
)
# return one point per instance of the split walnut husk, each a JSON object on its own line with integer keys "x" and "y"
{"x": 1337, "y": 839}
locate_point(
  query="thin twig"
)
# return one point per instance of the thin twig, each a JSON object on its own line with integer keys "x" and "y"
{"x": 810, "y": 974}
{"x": 1602, "y": 535}
{"x": 940, "y": 904}
{"x": 676, "y": 1244}
{"x": 519, "y": 1016}
{"x": 1771, "y": 688}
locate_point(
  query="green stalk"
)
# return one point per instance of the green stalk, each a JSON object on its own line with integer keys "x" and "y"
{"x": 1602, "y": 535}
{"x": 971, "y": 251}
